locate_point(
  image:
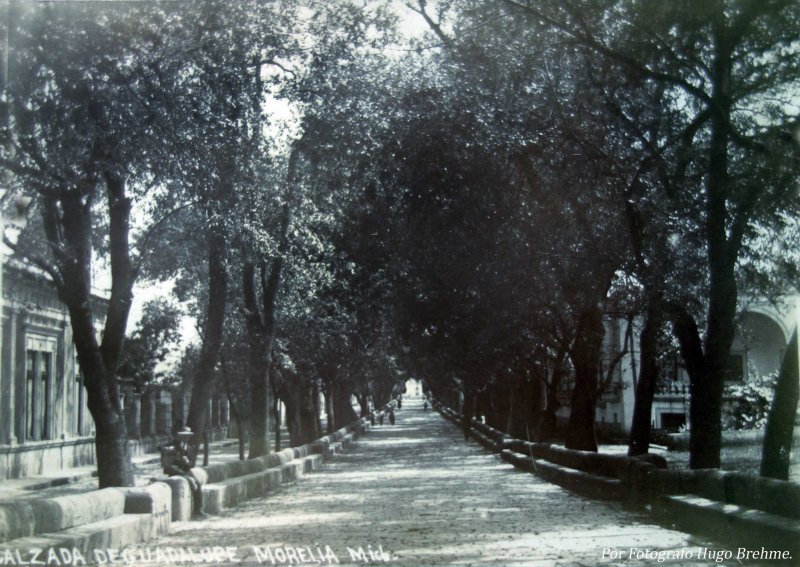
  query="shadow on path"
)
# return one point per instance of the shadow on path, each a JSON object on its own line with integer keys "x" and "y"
{"x": 418, "y": 492}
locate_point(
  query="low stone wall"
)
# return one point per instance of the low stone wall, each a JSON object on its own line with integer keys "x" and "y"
{"x": 745, "y": 509}
{"x": 110, "y": 517}
{"x": 604, "y": 477}
{"x": 227, "y": 484}
{"x": 30, "y": 517}
{"x": 734, "y": 507}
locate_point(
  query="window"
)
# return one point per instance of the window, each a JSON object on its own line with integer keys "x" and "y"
{"x": 735, "y": 369}
{"x": 38, "y": 386}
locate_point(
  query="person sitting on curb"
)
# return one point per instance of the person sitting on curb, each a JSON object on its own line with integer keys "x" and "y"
{"x": 177, "y": 460}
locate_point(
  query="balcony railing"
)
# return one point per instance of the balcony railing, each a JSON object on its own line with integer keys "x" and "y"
{"x": 673, "y": 389}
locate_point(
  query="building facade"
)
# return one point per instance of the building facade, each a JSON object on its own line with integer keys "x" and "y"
{"x": 45, "y": 424}
{"x": 762, "y": 335}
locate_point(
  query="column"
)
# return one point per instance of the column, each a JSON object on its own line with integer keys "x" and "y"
{"x": 8, "y": 378}
{"x": 209, "y": 418}
{"x": 178, "y": 410}
{"x": 165, "y": 412}
{"x": 149, "y": 414}
{"x": 133, "y": 414}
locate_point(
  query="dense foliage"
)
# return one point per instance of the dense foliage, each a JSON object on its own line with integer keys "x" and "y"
{"x": 343, "y": 206}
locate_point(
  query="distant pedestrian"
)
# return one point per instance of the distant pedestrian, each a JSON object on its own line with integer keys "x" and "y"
{"x": 425, "y": 405}
{"x": 391, "y": 416}
{"x": 399, "y": 402}
{"x": 372, "y": 418}
{"x": 380, "y": 418}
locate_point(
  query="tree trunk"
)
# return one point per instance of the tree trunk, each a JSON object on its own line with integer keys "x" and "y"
{"x": 519, "y": 408}
{"x": 302, "y": 418}
{"x": 546, "y": 426}
{"x": 646, "y": 385}
{"x": 68, "y": 228}
{"x": 688, "y": 335}
{"x": 259, "y": 413}
{"x": 111, "y": 441}
{"x": 261, "y": 332}
{"x": 468, "y": 410}
{"x": 586, "y": 358}
{"x": 203, "y": 383}
{"x": 780, "y": 423}
{"x": 258, "y": 365}
{"x": 276, "y": 407}
{"x": 242, "y": 439}
{"x": 316, "y": 414}
{"x": 363, "y": 402}
{"x": 342, "y": 406}
{"x": 330, "y": 414}
{"x": 705, "y": 409}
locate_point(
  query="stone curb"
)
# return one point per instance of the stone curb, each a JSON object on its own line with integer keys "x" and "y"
{"x": 117, "y": 517}
{"x": 729, "y": 506}
{"x": 105, "y": 518}
{"x": 228, "y": 484}
{"x": 28, "y": 518}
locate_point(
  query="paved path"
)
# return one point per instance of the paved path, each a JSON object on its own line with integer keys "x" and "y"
{"x": 422, "y": 496}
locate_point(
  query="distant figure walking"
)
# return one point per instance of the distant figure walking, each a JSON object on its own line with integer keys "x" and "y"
{"x": 399, "y": 402}
{"x": 425, "y": 405}
{"x": 380, "y": 419}
{"x": 391, "y": 416}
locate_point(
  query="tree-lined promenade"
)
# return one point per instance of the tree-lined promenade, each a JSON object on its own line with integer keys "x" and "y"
{"x": 340, "y": 204}
{"x": 416, "y": 494}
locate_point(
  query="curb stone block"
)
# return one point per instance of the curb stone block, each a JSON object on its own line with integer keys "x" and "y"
{"x": 729, "y": 522}
{"x": 291, "y": 472}
{"x": 116, "y": 532}
{"x": 16, "y": 521}
{"x": 252, "y": 466}
{"x": 312, "y": 463}
{"x": 154, "y": 499}
{"x": 28, "y": 518}
{"x": 181, "y": 498}
{"x": 227, "y": 485}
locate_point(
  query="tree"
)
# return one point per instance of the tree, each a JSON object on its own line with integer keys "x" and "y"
{"x": 721, "y": 63}
{"x": 777, "y": 448}
{"x": 216, "y": 74}
{"x": 150, "y": 344}
{"x": 81, "y": 113}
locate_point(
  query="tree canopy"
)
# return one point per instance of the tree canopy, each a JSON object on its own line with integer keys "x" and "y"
{"x": 345, "y": 206}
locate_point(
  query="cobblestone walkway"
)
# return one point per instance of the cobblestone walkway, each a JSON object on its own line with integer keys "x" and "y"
{"x": 416, "y": 494}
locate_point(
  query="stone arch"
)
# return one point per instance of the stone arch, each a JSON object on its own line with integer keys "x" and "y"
{"x": 760, "y": 341}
